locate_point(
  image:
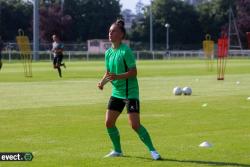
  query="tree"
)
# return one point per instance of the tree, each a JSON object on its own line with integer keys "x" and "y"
{"x": 91, "y": 18}
{"x": 53, "y": 21}
{"x": 183, "y": 20}
{"x": 214, "y": 16}
{"x": 243, "y": 17}
{"x": 14, "y": 14}
{"x": 139, "y": 7}
{"x": 80, "y": 20}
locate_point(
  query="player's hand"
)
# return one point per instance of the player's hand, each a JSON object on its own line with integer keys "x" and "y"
{"x": 111, "y": 76}
{"x": 100, "y": 86}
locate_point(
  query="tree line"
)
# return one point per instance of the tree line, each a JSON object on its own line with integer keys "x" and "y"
{"x": 79, "y": 20}
{"x": 189, "y": 24}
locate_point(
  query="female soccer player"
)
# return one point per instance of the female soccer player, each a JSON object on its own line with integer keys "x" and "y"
{"x": 57, "y": 49}
{"x": 121, "y": 71}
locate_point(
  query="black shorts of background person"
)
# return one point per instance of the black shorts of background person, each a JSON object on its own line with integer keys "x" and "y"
{"x": 57, "y": 62}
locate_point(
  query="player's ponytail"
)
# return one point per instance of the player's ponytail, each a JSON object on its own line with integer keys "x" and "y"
{"x": 120, "y": 23}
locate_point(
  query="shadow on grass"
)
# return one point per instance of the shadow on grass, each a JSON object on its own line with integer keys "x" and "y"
{"x": 214, "y": 163}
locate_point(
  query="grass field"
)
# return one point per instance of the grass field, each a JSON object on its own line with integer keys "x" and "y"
{"x": 61, "y": 120}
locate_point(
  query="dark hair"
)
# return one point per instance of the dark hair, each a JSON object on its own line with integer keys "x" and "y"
{"x": 120, "y": 23}
{"x": 57, "y": 35}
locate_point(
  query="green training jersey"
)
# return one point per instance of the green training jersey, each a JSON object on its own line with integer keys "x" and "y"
{"x": 119, "y": 61}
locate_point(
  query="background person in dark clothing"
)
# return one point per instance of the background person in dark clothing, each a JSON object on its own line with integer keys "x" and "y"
{"x": 57, "y": 49}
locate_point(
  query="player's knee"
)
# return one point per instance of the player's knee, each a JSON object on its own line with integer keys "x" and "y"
{"x": 56, "y": 66}
{"x": 109, "y": 124}
{"x": 135, "y": 126}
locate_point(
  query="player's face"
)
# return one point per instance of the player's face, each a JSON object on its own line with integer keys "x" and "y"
{"x": 115, "y": 34}
{"x": 54, "y": 38}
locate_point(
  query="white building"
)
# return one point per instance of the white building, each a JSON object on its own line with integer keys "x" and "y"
{"x": 128, "y": 17}
{"x": 99, "y": 46}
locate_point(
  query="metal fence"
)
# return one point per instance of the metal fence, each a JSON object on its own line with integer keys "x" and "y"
{"x": 11, "y": 55}
{"x": 79, "y": 52}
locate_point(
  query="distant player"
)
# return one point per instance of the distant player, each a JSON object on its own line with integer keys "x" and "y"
{"x": 1, "y": 48}
{"x": 122, "y": 72}
{"x": 57, "y": 49}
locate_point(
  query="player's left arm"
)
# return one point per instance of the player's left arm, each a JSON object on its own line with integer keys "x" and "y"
{"x": 131, "y": 73}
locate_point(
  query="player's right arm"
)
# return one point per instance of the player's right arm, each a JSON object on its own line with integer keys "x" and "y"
{"x": 53, "y": 48}
{"x": 105, "y": 79}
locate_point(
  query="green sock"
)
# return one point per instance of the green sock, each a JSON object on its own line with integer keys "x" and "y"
{"x": 145, "y": 138}
{"x": 115, "y": 138}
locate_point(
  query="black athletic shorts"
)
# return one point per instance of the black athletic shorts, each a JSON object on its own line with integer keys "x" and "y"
{"x": 58, "y": 60}
{"x": 117, "y": 104}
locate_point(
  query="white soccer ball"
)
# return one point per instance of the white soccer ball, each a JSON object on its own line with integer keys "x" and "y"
{"x": 177, "y": 91}
{"x": 187, "y": 91}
